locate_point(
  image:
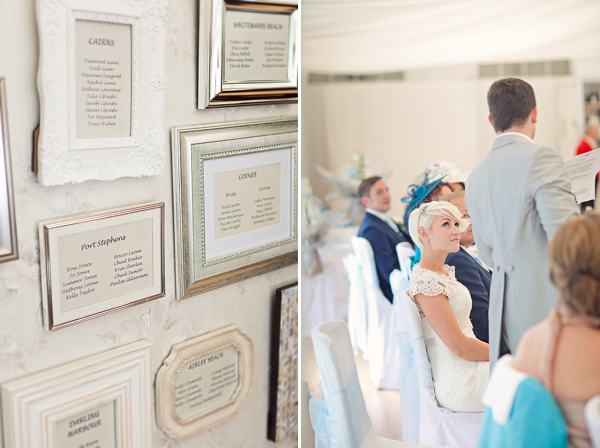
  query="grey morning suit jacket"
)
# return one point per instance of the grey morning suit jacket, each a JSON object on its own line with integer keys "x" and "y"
{"x": 517, "y": 197}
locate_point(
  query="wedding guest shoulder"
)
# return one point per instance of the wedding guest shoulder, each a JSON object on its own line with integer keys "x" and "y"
{"x": 563, "y": 351}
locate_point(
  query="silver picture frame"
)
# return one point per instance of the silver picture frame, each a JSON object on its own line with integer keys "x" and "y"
{"x": 9, "y": 249}
{"x": 196, "y": 149}
{"x": 215, "y": 89}
{"x": 116, "y": 278}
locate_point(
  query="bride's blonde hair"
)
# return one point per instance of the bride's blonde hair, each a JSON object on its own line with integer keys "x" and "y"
{"x": 424, "y": 215}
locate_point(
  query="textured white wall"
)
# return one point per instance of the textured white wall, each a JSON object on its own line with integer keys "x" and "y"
{"x": 25, "y": 347}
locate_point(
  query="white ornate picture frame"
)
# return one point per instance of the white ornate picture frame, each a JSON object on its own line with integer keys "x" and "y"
{"x": 208, "y": 164}
{"x": 204, "y": 382}
{"x": 68, "y": 406}
{"x": 102, "y": 83}
{"x": 247, "y": 52}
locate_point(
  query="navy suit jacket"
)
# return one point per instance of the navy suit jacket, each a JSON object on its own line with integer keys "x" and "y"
{"x": 383, "y": 240}
{"x": 477, "y": 280}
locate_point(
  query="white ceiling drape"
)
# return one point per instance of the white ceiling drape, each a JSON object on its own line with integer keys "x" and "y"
{"x": 362, "y": 36}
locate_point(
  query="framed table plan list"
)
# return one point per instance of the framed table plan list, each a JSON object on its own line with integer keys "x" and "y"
{"x": 102, "y": 82}
{"x": 203, "y": 382}
{"x": 96, "y": 264}
{"x": 247, "y": 52}
{"x": 235, "y": 202}
{"x": 103, "y": 401}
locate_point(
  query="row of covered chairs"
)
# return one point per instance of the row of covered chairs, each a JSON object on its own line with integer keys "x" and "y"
{"x": 390, "y": 337}
{"x": 370, "y": 313}
{"x": 340, "y": 417}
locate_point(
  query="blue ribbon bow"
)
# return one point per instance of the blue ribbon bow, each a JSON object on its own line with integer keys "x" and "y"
{"x": 340, "y": 420}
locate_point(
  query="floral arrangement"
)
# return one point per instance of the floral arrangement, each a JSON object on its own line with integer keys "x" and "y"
{"x": 315, "y": 216}
{"x": 316, "y": 221}
{"x": 347, "y": 186}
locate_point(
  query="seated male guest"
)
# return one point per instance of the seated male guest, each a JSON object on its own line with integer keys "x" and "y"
{"x": 380, "y": 230}
{"x": 470, "y": 271}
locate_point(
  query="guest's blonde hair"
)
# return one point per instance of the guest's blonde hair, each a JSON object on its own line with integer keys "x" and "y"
{"x": 424, "y": 215}
{"x": 575, "y": 264}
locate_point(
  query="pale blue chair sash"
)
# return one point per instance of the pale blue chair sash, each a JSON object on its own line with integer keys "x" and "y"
{"x": 329, "y": 416}
{"x": 415, "y": 370}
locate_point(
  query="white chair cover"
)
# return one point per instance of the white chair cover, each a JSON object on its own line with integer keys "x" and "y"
{"x": 340, "y": 418}
{"x": 436, "y": 425}
{"x": 358, "y": 310}
{"x": 592, "y": 418}
{"x": 381, "y": 341}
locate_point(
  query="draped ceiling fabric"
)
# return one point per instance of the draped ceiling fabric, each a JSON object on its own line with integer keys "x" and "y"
{"x": 362, "y": 36}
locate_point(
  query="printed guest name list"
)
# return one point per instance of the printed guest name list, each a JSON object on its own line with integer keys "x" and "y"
{"x": 101, "y": 264}
{"x": 206, "y": 382}
{"x": 247, "y": 200}
{"x": 102, "y": 79}
{"x": 256, "y": 46}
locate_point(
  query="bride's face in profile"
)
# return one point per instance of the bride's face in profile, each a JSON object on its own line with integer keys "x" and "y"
{"x": 444, "y": 235}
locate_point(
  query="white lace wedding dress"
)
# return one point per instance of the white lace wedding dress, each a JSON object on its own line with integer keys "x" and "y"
{"x": 458, "y": 382}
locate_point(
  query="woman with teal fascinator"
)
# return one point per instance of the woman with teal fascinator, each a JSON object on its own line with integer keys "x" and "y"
{"x": 426, "y": 187}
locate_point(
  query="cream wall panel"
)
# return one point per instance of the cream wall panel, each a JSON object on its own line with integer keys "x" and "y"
{"x": 405, "y": 126}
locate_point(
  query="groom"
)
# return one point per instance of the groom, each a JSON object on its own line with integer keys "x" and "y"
{"x": 517, "y": 197}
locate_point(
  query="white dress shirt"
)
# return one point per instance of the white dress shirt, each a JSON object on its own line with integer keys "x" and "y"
{"x": 385, "y": 218}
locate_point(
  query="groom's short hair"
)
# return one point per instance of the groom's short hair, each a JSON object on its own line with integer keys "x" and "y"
{"x": 364, "y": 188}
{"x": 511, "y": 101}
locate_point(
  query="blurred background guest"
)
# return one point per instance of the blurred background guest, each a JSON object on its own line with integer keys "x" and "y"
{"x": 380, "y": 230}
{"x": 563, "y": 351}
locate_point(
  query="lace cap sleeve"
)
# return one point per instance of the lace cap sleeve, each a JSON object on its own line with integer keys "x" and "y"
{"x": 428, "y": 283}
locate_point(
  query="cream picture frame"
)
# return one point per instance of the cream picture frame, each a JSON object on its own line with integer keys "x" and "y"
{"x": 198, "y": 353}
{"x": 34, "y": 406}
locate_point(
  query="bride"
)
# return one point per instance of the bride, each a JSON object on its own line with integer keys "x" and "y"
{"x": 458, "y": 359}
